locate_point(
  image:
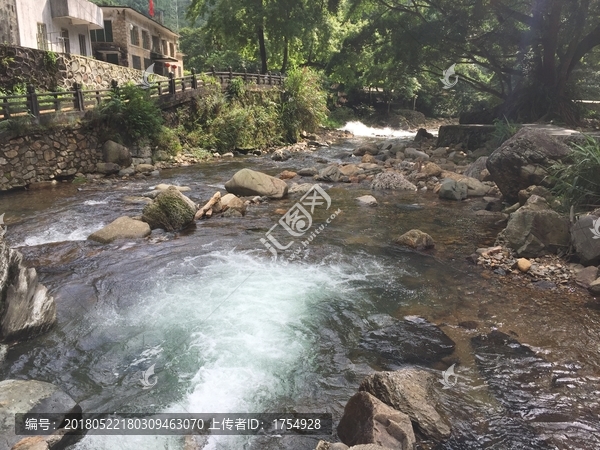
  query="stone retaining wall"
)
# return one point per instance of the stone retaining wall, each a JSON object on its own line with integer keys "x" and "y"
{"x": 48, "y": 155}
{"x": 51, "y": 71}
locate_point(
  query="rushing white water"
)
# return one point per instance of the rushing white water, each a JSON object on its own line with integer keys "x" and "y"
{"x": 65, "y": 229}
{"x": 359, "y": 129}
{"x": 251, "y": 325}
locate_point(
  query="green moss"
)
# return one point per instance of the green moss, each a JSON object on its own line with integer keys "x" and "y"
{"x": 168, "y": 211}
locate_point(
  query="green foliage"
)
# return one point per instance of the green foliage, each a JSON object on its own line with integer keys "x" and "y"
{"x": 236, "y": 88}
{"x": 503, "y": 131}
{"x": 304, "y": 103}
{"x": 130, "y": 114}
{"x": 340, "y": 117}
{"x": 51, "y": 61}
{"x": 577, "y": 182}
{"x": 17, "y": 126}
{"x": 167, "y": 140}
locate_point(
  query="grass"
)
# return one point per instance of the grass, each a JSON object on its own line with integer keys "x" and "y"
{"x": 576, "y": 181}
{"x": 504, "y": 130}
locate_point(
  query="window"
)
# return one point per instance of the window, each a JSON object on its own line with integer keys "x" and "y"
{"x": 147, "y": 62}
{"x": 145, "y": 40}
{"x": 82, "y": 45}
{"x": 155, "y": 44}
{"x": 171, "y": 49}
{"x": 64, "y": 40}
{"x": 164, "y": 47}
{"x": 136, "y": 62}
{"x": 112, "y": 58}
{"x": 42, "y": 36}
{"x": 105, "y": 35}
{"x": 135, "y": 35}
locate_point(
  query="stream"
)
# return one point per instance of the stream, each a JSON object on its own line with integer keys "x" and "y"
{"x": 229, "y": 330}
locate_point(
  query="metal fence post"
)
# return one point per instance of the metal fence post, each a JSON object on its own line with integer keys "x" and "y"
{"x": 78, "y": 97}
{"x": 32, "y": 101}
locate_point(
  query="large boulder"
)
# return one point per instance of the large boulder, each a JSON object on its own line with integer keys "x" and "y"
{"x": 535, "y": 230}
{"x": 26, "y": 309}
{"x": 392, "y": 180}
{"x": 367, "y": 420}
{"x": 330, "y": 174}
{"x": 170, "y": 210}
{"x": 408, "y": 341}
{"x": 31, "y": 396}
{"x": 585, "y": 237}
{"x": 476, "y": 169}
{"x": 248, "y": 182}
{"x": 411, "y": 392}
{"x": 107, "y": 168}
{"x": 116, "y": 153}
{"x": 523, "y": 161}
{"x": 453, "y": 190}
{"x": 121, "y": 228}
{"x": 366, "y": 148}
{"x": 416, "y": 239}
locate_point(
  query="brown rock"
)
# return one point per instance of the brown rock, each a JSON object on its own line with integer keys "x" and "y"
{"x": 524, "y": 265}
{"x": 287, "y": 175}
{"x": 368, "y": 159}
{"x": 416, "y": 239}
{"x": 367, "y": 420}
{"x": 121, "y": 228}
{"x": 587, "y": 276}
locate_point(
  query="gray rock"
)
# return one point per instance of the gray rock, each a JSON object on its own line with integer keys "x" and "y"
{"x": 26, "y": 309}
{"x": 330, "y": 174}
{"x": 584, "y": 240}
{"x": 116, "y": 153}
{"x": 523, "y": 161}
{"x": 540, "y": 191}
{"x": 415, "y": 154}
{"x": 308, "y": 172}
{"x": 121, "y": 228}
{"x": 397, "y": 149}
{"x": 300, "y": 189}
{"x": 366, "y": 148}
{"x": 367, "y": 200}
{"x": 475, "y": 188}
{"x": 367, "y": 420}
{"x": 144, "y": 168}
{"x": 453, "y": 190}
{"x": 476, "y": 168}
{"x": 587, "y": 276}
{"x": 170, "y": 210}
{"x": 21, "y": 396}
{"x": 126, "y": 172}
{"x": 232, "y": 213}
{"x": 594, "y": 287}
{"x": 281, "y": 155}
{"x": 107, "y": 168}
{"x": 392, "y": 180}
{"x": 411, "y": 392}
{"x": 164, "y": 187}
{"x": 535, "y": 230}
{"x": 440, "y": 151}
{"x": 248, "y": 182}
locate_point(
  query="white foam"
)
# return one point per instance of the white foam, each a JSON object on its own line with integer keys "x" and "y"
{"x": 359, "y": 129}
{"x": 61, "y": 232}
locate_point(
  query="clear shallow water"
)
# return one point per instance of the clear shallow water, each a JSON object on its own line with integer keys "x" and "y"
{"x": 230, "y": 331}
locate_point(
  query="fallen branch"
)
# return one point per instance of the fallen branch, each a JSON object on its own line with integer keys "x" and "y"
{"x": 213, "y": 203}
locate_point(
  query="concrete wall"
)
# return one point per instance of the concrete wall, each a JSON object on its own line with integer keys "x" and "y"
{"x": 32, "y": 12}
{"x": 9, "y": 28}
{"x": 48, "y": 155}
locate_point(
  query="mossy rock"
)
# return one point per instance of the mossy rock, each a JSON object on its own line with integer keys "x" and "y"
{"x": 170, "y": 210}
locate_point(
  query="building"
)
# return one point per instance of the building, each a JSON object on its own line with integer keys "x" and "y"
{"x": 56, "y": 25}
{"x": 131, "y": 39}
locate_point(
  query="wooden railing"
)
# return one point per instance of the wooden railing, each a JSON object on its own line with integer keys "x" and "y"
{"x": 78, "y": 99}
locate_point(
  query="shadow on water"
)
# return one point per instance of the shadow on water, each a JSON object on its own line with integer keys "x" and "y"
{"x": 230, "y": 330}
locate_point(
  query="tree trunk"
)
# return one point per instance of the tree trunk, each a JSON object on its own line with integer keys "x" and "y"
{"x": 285, "y": 55}
{"x": 263, "y": 49}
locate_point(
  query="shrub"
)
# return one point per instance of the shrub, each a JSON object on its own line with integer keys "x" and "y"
{"x": 168, "y": 140}
{"x": 576, "y": 181}
{"x": 131, "y": 114}
{"x": 304, "y": 103}
{"x": 504, "y": 130}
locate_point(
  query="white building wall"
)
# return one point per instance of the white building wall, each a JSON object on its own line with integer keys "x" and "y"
{"x": 32, "y": 12}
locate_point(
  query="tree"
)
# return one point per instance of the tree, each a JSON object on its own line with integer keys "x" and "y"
{"x": 526, "y": 49}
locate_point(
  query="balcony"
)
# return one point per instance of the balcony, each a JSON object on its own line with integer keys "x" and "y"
{"x": 77, "y": 12}
{"x": 160, "y": 57}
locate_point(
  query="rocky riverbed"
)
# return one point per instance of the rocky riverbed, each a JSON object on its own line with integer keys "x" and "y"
{"x": 385, "y": 292}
